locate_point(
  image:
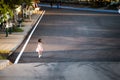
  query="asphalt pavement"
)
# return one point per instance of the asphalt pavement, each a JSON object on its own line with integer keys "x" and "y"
{"x": 73, "y": 36}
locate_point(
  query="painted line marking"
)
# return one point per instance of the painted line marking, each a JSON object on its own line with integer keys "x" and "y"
{"x": 22, "y": 50}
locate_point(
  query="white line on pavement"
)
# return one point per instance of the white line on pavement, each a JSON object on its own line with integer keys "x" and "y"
{"x": 21, "y": 52}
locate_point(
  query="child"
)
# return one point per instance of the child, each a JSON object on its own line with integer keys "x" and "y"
{"x": 119, "y": 9}
{"x": 39, "y": 48}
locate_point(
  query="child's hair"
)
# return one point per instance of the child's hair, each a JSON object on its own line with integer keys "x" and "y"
{"x": 39, "y": 40}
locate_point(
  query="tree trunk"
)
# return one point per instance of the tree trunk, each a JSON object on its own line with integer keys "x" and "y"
{"x": 15, "y": 18}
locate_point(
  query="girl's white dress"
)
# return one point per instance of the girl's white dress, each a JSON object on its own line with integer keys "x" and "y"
{"x": 39, "y": 47}
{"x": 119, "y": 11}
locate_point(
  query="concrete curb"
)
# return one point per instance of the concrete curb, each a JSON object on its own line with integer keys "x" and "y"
{"x": 84, "y": 9}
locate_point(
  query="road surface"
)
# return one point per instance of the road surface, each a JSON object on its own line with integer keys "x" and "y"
{"x": 70, "y": 35}
{"x": 77, "y": 46}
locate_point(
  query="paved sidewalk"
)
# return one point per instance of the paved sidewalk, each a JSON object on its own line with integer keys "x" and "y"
{"x": 83, "y": 8}
{"x": 62, "y": 71}
{"x": 11, "y": 42}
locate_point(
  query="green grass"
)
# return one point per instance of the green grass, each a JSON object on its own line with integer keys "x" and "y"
{"x": 4, "y": 51}
{"x": 3, "y": 57}
{"x": 18, "y": 29}
{"x": 4, "y": 54}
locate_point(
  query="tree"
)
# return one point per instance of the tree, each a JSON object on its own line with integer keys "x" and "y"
{"x": 28, "y": 7}
{"x": 5, "y": 12}
{"x": 13, "y": 4}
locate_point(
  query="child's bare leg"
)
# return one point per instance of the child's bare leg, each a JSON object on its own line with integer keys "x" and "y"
{"x": 40, "y": 54}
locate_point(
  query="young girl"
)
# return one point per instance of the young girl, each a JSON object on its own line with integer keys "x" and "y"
{"x": 39, "y": 48}
{"x": 119, "y": 9}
